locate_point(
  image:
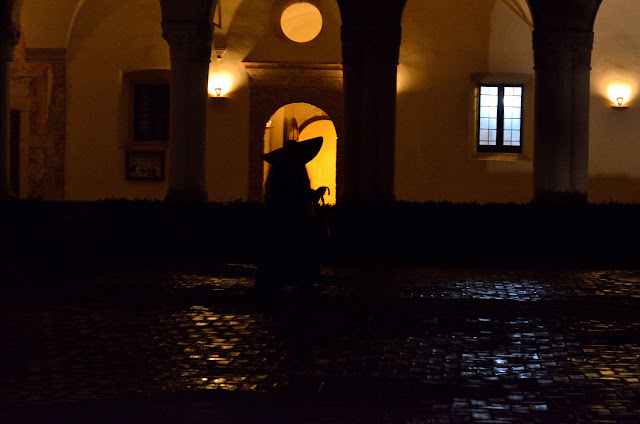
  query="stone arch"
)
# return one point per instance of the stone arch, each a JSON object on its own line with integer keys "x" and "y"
{"x": 575, "y": 15}
{"x": 276, "y": 85}
{"x": 73, "y": 19}
{"x": 312, "y": 120}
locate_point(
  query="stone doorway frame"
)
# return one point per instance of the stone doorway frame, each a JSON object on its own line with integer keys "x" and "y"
{"x": 273, "y": 85}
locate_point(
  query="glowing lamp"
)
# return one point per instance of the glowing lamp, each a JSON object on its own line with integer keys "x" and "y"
{"x": 619, "y": 104}
{"x": 220, "y": 84}
{"x": 619, "y": 95}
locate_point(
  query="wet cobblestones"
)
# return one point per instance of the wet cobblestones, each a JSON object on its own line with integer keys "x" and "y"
{"x": 418, "y": 346}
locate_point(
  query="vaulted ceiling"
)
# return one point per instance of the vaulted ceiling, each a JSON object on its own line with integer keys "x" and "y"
{"x": 48, "y": 24}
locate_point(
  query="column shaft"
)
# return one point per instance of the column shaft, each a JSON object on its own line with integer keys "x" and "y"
{"x": 190, "y": 45}
{"x": 5, "y": 187}
{"x": 9, "y": 37}
{"x": 562, "y": 66}
{"x": 370, "y": 61}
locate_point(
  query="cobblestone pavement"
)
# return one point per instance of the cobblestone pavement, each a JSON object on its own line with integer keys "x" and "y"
{"x": 385, "y": 346}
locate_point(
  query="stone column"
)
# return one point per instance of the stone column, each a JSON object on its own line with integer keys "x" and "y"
{"x": 190, "y": 49}
{"x": 9, "y": 36}
{"x": 370, "y": 51}
{"x": 562, "y": 69}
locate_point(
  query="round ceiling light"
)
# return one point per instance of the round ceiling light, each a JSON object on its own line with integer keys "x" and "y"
{"x": 301, "y": 22}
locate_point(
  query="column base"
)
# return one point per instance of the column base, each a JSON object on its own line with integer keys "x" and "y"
{"x": 186, "y": 196}
{"x": 561, "y": 198}
{"x": 7, "y": 193}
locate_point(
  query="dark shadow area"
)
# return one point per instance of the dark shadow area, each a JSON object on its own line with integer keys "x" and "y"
{"x": 44, "y": 242}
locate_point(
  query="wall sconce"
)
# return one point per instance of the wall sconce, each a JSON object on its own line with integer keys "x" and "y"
{"x": 219, "y": 52}
{"x": 619, "y": 93}
{"x": 619, "y": 104}
{"x": 220, "y": 85}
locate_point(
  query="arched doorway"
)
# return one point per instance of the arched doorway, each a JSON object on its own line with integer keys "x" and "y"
{"x": 274, "y": 85}
{"x": 314, "y": 122}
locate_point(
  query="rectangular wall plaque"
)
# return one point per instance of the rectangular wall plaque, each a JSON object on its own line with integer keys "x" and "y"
{"x": 144, "y": 165}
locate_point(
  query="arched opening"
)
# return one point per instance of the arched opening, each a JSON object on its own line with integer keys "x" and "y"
{"x": 273, "y": 86}
{"x": 314, "y": 122}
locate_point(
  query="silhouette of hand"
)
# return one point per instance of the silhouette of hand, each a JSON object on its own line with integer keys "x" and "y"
{"x": 319, "y": 194}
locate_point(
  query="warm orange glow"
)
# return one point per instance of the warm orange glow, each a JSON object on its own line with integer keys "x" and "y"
{"x": 301, "y": 22}
{"x": 402, "y": 79}
{"x": 322, "y": 169}
{"x": 220, "y": 84}
{"x": 619, "y": 93}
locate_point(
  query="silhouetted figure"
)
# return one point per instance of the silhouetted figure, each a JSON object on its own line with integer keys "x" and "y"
{"x": 289, "y": 247}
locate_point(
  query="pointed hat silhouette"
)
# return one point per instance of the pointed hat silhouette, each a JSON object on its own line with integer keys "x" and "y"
{"x": 294, "y": 152}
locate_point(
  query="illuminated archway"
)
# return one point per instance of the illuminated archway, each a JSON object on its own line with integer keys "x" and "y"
{"x": 276, "y": 85}
{"x": 314, "y": 123}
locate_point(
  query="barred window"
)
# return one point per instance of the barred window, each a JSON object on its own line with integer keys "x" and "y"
{"x": 151, "y": 112}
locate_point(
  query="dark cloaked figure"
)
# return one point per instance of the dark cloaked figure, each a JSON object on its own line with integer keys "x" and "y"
{"x": 289, "y": 253}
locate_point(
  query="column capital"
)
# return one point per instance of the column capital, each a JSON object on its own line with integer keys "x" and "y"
{"x": 9, "y": 37}
{"x": 574, "y": 45}
{"x": 189, "y": 40}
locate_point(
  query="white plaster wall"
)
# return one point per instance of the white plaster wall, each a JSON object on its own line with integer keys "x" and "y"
{"x": 46, "y": 23}
{"x": 227, "y": 139}
{"x": 273, "y": 46}
{"x": 614, "y": 149}
{"x": 109, "y": 37}
{"x": 511, "y": 51}
{"x": 510, "y": 48}
{"x": 443, "y": 44}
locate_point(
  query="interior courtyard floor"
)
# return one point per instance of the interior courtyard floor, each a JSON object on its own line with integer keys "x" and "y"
{"x": 403, "y": 345}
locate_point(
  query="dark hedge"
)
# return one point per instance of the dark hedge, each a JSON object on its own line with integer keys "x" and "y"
{"x": 48, "y": 239}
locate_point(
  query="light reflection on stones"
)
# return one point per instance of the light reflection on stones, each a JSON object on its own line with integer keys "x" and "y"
{"x": 215, "y": 346}
{"x": 528, "y": 362}
{"x": 190, "y": 281}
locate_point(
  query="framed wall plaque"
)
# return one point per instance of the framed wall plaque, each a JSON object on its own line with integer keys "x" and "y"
{"x": 144, "y": 165}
